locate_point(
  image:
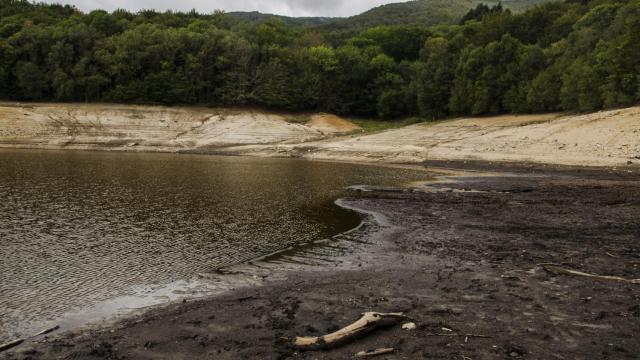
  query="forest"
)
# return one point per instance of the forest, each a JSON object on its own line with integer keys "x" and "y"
{"x": 572, "y": 55}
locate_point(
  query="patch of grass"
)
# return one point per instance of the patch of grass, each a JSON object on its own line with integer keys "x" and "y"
{"x": 296, "y": 118}
{"x": 369, "y": 125}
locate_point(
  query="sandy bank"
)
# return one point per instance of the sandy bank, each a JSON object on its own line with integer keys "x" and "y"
{"x": 608, "y": 138}
{"x": 144, "y": 128}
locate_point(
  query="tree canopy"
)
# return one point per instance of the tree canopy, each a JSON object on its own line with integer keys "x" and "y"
{"x": 575, "y": 55}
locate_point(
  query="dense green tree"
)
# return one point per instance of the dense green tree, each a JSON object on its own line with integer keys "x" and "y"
{"x": 5, "y": 69}
{"x": 543, "y": 94}
{"x": 351, "y": 87}
{"x": 489, "y": 79}
{"x": 31, "y": 80}
{"x": 400, "y": 42}
{"x": 480, "y": 11}
{"x": 530, "y": 62}
{"x": 393, "y": 86}
{"x": 617, "y": 59}
{"x": 434, "y": 78}
{"x": 273, "y": 84}
{"x": 580, "y": 87}
{"x": 494, "y": 26}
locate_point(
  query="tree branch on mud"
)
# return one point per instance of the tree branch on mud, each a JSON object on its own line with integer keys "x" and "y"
{"x": 557, "y": 270}
{"x": 376, "y": 352}
{"x": 369, "y": 322}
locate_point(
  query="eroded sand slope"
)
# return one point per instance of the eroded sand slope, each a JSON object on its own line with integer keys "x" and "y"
{"x": 142, "y": 128}
{"x": 608, "y": 138}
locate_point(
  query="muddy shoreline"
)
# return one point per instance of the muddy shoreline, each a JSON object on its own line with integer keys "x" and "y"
{"x": 462, "y": 256}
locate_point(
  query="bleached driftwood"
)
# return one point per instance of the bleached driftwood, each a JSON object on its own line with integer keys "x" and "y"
{"x": 554, "y": 269}
{"x": 11, "y": 344}
{"x": 376, "y": 352}
{"x": 17, "y": 342}
{"x": 48, "y": 330}
{"x": 460, "y": 335}
{"x": 367, "y": 323}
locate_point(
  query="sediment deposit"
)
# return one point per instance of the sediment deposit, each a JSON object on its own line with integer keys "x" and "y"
{"x": 606, "y": 138}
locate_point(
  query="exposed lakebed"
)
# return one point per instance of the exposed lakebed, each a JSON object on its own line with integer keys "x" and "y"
{"x": 80, "y": 228}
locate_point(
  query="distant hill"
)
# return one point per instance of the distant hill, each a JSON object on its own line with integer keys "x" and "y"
{"x": 427, "y": 12}
{"x": 522, "y": 5}
{"x": 254, "y": 16}
{"x": 424, "y": 12}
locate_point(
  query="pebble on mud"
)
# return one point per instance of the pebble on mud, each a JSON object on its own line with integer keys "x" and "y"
{"x": 409, "y": 326}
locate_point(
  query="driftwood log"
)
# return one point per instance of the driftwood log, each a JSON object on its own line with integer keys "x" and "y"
{"x": 555, "y": 269}
{"x": 376, "y": 352}
{"x": 17, "y": 342}
{"x": 11, "y": 344}
{"x": 46, "y": 331}
{"x": 367, "y": 323}
{"x": 460, "y": 335}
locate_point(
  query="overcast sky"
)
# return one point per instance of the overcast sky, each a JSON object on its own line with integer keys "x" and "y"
{"x": 282, "y": 7}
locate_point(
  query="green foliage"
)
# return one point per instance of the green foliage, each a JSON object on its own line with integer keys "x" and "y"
{"x": 421, "y": 12}
{"x": 31, "y": 81}
{"x": 402, "y": 42}
{"x": 434, "y": 78}
{"x": 544, "y": 91}
{"x": 254, "y": 16}
{"x": 387, "y": 63}
{"x": 480, "y": 11}
{"x": 580, "y": 87}
{"x": 492, "y": 79}
{"x": 375, "y": 125}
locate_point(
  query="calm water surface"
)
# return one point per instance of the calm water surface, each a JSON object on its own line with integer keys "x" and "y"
{"x": 79, "y": 228}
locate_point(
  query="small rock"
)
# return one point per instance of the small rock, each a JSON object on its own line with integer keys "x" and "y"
{"x": 516, "y": 351}
{"x": 602, "y": 315}
{"x": 409, "y": 326}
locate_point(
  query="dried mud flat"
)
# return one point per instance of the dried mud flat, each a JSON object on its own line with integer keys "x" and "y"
{"x": 462, "y": 259}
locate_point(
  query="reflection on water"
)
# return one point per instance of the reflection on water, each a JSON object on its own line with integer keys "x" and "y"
{"x": 80, "y": 228}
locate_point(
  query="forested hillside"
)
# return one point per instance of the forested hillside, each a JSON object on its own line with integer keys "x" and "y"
{"x": 419, "y": 12}
{"x": 254, "y": 16}
{"x": 572, "y": 55}
{"x": 423, "y": 12}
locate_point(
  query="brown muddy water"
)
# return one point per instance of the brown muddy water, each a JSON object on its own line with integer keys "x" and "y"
{"x": 83, "y": 230}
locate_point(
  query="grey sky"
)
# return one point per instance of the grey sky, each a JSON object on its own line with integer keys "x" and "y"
{"x": 282, "y": 7}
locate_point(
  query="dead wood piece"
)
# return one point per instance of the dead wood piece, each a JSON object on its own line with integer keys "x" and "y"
{"x": 555, "y": 269}
{"x": 17, "y": 342}
{"x": 376, "y": 352}
{"x": 11, "y": 344}
{"x": 465, "y": 335}
{"x": 46, "y": 331}
{"x": 368, "y": 322}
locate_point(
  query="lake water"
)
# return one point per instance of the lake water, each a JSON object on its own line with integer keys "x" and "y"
{"x": 80, "y": 228}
